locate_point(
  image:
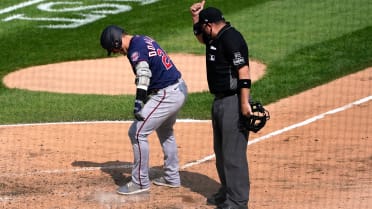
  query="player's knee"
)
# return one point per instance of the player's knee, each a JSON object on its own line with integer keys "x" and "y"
{"x": 132, "y": 132}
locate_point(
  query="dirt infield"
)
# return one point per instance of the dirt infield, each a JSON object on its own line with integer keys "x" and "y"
{"x": 110, "y": 76}
{"x": 324, "y": 162}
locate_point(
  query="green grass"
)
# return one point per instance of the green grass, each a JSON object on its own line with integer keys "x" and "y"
{"x": 315, "y": 65}
{"x": 303, "y": 44}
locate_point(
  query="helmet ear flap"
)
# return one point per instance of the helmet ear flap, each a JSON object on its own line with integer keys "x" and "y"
{"x": 116, "y": 38}
{"x": 116, "y": 44}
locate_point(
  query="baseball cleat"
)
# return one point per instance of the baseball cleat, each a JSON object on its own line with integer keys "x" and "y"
{"x": 162, "y": 182}
{"x": 131, "y": 188}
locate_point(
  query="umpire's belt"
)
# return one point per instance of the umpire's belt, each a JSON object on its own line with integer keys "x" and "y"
{"x": 223, "y": 95}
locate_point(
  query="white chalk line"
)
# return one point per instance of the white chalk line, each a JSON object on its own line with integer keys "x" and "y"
{"x": 19, "y": 6}
{"x": 187, "y": 165}
{"x": 93, "y": 122}
{"x": 310, "y": 120}
{"x": 288, "y": 128}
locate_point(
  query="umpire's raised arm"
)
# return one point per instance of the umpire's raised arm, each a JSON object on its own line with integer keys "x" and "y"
{"x": 197, "y": 26}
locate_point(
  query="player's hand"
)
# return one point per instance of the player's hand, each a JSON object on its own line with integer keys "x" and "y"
{"x": 196, "y": 8}
{"x": 138, "y": 104}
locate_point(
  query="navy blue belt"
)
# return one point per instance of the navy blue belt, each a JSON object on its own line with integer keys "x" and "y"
{"x": 155, "y": 91}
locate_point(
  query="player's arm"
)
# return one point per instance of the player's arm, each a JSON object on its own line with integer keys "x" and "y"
{"x": 143, "y": 75}
{"x": 195, "y": 9}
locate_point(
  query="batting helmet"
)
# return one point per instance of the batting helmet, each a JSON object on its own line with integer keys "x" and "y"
{"x": 111, "y": 38}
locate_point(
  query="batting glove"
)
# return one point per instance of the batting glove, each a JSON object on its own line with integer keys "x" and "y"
{"x": 138, "y": 104}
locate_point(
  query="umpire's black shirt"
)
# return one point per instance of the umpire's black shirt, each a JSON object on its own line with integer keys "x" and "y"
{"x": 225, "y": 54}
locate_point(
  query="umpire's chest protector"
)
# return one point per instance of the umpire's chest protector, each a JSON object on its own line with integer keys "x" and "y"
{"x": 224, "y": 56}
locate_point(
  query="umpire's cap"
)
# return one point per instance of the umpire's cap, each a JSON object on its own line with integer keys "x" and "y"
{"x": 111, "y": 38}
{"x": 210, "y": 15}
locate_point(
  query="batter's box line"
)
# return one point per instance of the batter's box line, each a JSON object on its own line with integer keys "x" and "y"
{"x": 197, "y": 162}
{"x": 94, "y": 122}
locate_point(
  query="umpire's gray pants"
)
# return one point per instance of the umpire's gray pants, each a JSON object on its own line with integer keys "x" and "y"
{"x": 230, "y": 147}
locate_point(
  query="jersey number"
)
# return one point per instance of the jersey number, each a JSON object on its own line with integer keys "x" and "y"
{"x": 165, "y": 59}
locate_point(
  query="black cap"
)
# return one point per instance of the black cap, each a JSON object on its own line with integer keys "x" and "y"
{"x": 111, "y": 38}
{"x": 210, "y": 15}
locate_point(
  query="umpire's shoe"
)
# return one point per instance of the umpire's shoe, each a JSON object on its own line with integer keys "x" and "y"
{"x": 217, "y": 199}
{"x": 225, "y": 206}
{"x": 131, "y": 188}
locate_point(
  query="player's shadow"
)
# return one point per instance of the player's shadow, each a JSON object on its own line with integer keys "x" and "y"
{"x": 120, "y": 172}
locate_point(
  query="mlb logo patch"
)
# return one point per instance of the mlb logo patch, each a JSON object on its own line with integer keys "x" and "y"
{"x": 211, "y": 57}
{"x": 238, "y": 59}
{"x": 134, "y": 57}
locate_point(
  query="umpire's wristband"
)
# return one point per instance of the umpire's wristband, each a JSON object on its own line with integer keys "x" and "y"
{"x": 244, "y": 83}
{"x": 197, "y": 28}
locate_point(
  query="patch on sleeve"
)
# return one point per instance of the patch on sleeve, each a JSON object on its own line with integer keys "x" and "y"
{"x": 238, "y": 59}
{"x": 134, "y": 56}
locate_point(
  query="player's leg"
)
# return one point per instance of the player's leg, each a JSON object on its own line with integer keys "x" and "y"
{"x": 138, "y": 133}
{"x": 140, "y": 179}
{"x": 174, "y": 98}
{"x": 168, "y": 142}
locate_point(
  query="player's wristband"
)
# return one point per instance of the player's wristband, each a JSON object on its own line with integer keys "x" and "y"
{"x": 197, "y": 29}
{"x": 141, "y": 94}
{"x": 244, "y": 83}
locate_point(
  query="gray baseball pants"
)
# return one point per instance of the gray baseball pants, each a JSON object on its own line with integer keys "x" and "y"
{"x": 230, "y": 147}
{"x": 160, "y": 113}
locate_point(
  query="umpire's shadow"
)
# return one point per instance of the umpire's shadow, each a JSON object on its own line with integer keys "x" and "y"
{"x": 199, "y": 183}
{"x": 120, "y": 172}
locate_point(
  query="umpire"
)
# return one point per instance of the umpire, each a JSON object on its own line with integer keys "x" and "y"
{"x": 229, "y": 80}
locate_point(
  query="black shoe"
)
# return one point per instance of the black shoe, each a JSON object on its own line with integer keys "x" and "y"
{"x": 216, "y": 199}
{"x": 225, "y": 206}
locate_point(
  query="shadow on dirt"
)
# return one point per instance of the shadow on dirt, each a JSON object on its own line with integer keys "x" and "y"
{"x": 120, "y": 172}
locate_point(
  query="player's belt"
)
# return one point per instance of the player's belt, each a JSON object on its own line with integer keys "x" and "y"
{"x": 152, "y": 91}
{"x": 155, "y": 91}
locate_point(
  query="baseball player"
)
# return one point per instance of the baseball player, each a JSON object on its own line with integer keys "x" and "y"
{"x": 160, "y": 94}
{"x": 228, "y": 76}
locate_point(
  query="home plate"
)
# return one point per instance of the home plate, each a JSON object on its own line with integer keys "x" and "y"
{"x": 112, "y": 198}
